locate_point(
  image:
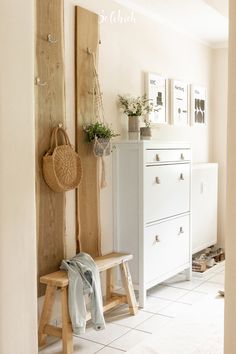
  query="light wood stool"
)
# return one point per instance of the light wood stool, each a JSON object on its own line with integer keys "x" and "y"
{"x": 59, "y": 280}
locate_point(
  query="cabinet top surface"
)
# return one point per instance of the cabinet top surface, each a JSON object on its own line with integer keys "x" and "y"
{"x": 154, "y": 144}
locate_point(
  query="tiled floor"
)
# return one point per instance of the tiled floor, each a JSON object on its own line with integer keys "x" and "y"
{"x": 164, "y": 303}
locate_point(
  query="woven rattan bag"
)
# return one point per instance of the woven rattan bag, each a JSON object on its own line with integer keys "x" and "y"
{"x": 62, "y": 169}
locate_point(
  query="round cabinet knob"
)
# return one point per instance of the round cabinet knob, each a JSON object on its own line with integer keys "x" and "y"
{"x": 157, "y": 239}
{"x": 181, "y": 177}
{"x": 157, "y": 157}
{"x": 182, "y": 157}
{"x": 181, "y": 230}
{"x": 158, "y": 181}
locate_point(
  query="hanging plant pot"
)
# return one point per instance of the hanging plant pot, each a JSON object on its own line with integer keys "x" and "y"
{"x": 101, "y": 147}
{"x": 100, "y": 134}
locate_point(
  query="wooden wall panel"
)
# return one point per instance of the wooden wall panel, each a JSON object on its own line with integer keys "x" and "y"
{"x": 88, "y": 195}
{"x": 50, "y": 110}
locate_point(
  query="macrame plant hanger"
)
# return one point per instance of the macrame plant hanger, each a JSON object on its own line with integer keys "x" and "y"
{"x": 102, "y": 147}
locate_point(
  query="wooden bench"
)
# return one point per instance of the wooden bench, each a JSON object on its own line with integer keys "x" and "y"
{"x": 59, "y": 280}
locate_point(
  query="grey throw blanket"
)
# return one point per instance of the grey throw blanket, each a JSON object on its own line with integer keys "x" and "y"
{"x": 84, "y": 279}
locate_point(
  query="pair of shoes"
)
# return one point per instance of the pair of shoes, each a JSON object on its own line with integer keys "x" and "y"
{"x": 221, "y": 292}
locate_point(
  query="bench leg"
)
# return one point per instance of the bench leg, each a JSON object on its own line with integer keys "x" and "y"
{"x": 46, "y": 313}
{"x": 128, "y": 285}
{"x": 109, "y": 283}
{"x": 67, "y": 335}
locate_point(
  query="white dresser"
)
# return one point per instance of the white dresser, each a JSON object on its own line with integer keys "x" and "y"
{"x": 152, "y": 209}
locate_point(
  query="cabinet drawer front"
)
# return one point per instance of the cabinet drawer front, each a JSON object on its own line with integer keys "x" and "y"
{"x": 166, "y": 247}
{"x": 158, "y": 156}
{"x": 166, "y": 191}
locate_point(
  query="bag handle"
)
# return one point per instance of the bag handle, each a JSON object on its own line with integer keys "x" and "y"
{"x": 54, "y": 139}
{"x": 64, "y": 135}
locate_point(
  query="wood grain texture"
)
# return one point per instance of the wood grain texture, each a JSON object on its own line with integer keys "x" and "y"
{"x": 67, "y": 335}
{"x": 50, "y": 110}
{"x": 128, "y": 286}
{"x": 88, "y": 194}
{"x": 46, "y": 313}
{"x": 111, "y": 260}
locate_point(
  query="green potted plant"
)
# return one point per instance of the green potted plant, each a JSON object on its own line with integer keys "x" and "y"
{"x": 146, "y": 131}
{"x": 100, "y": 134}
{"x": 134, "y": 108}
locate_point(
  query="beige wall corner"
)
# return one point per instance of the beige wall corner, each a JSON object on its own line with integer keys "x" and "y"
{"x": 18, "y": 319}
{"x": 219, "y": 97}
{"x": 230, "y": 289}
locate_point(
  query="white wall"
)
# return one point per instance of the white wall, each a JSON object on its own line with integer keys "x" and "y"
{"x": 219, "y": 91}
{"x": 18, "y": 316}
{"x": 126, "y": 52}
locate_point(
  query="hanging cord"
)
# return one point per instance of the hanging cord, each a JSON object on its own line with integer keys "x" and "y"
{"x": 98, "y": 112}
{"x": 98, "y": 109}
{"x": 103, "y": 175}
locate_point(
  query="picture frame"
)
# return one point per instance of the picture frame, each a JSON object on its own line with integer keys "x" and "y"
{"x": 179, "y": 103}
{"x": 156, "y": 89}
{"x": 198, "y": 105}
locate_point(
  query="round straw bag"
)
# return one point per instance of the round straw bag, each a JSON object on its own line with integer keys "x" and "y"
{"x": 62, "y": 168}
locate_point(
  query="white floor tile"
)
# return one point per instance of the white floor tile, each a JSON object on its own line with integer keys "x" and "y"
{"x": 218, "y": 278}
{"x": 109, "y": 350}
{"x": 175, "y": 309}
{"x": 129, "y": 340}
{"x": 154, "y": 323}
{"x": 122, "y": 317}
{"x": 154, "y": 305}
{"x": 167, "y": 292}
{"x": 105, "y": 336}
{"x": 210, "y": 288}
{"x": 81, "y": 346}
{"x": 193, "y": 297}
{"x": 179, "y": 281}
{"x": 197, "y": 331}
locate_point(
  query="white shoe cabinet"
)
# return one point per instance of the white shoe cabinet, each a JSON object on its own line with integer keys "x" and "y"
{"x": 152, "y": 209}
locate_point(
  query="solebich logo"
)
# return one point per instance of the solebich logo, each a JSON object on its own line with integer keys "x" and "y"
{"x": 116, "y": 17}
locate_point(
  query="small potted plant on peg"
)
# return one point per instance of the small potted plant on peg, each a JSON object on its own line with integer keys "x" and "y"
{"x": 134, "y": 108}
{"x": 100, "y": 134}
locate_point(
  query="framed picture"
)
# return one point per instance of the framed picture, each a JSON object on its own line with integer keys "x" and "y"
{"x": 179, "y": 103}
{"x": 198, "y": 105}
{"x": 157, "y": 94}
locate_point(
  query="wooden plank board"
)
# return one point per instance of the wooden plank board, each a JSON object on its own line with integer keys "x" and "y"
{"x": 50, "y": 111}
{"x": 60, "y": 278}
{"x": 88, "y": 194}
{"x": 111, "y": 260}
{"x": 46, "y": 313}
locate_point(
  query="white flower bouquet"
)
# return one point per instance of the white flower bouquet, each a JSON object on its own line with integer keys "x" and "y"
{"x": 135, "y": 106}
